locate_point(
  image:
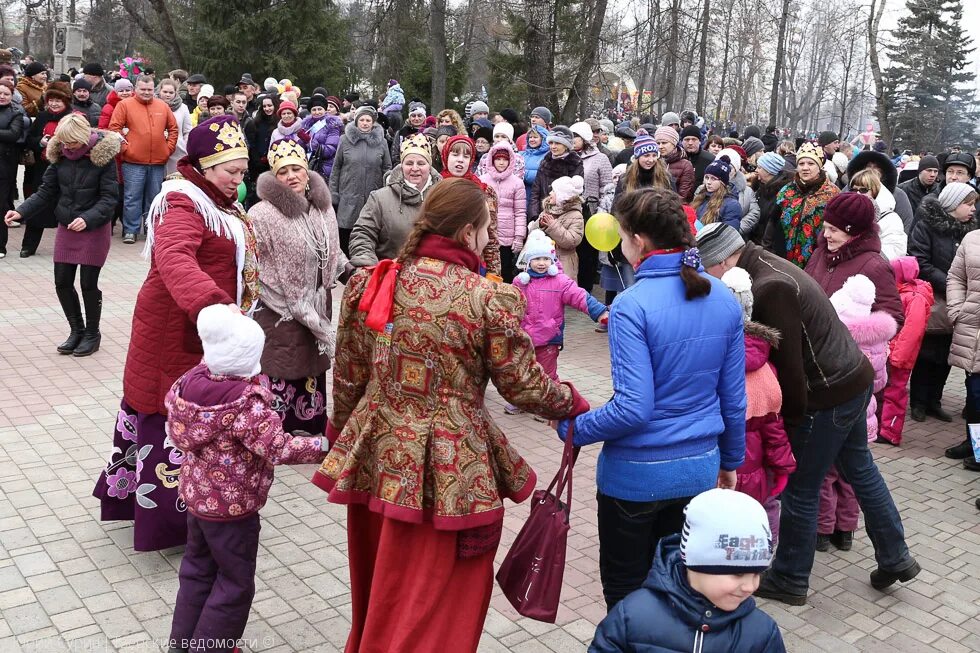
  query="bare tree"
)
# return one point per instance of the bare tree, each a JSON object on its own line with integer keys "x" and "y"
{"x": 703, "y": 57}
{"x": 578, "y": 96}
{"x": 161, "y": 33}
{"x": 881, "y": 105}
{"x": 778, "y": 68}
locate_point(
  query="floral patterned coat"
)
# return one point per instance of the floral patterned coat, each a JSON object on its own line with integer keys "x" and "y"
{"x": 416, "y": 441}
{"x": 802, "y": 217}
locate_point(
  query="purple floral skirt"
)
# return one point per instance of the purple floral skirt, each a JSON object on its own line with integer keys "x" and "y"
{"x": 139, "y": 482}
{"x": 301, "y": 403}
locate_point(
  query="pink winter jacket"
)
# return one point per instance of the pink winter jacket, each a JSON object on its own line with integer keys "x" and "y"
{"x": 547, "y": 298}
{"x": 917, "y": 301}
{"x": 767, "y": 449}
{"x": 511, "y": 199}
{"x": 872, "y": 334}
{"x": 231, "y": 438}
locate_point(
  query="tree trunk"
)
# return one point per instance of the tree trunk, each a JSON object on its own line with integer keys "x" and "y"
{"x": 881, "y": 104}
{"x": 778, "y": 68}
{"x": 537, "y": 15}
{"x": 578, "y": 96}
{"x": 724, "y": 66}
{"x": 703, "y": 57}
{"x": 671, "y": 77}
{"x": 437, "y": 32}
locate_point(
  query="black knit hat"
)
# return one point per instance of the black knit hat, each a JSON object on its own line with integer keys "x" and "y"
{"x": 34, "y": 68}
{"x": 81, "y": 82}
{"x": 927, "y": 162}
{"x": 317, "y": 101}
{"x": 690, "y": 130}
{"x": 93, "y": 69}
{"x": 826, "y": 138}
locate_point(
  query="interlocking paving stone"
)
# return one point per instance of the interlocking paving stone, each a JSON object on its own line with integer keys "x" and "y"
{"x": 68, "y": 580}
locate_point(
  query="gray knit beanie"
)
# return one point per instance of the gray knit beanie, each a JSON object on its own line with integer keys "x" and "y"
{"x": 954, "y": 194}
{"x": 716, "y": 242}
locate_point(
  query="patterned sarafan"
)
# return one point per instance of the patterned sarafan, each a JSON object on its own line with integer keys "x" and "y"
{"x": 417, "y": 443}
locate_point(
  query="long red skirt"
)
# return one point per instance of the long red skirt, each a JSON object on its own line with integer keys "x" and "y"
{"x": 409, "y": 591}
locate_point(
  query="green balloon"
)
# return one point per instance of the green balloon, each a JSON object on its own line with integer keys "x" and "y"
{"x": 241, "y": 192}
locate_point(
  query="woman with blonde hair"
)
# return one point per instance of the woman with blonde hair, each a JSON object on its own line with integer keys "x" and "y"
{"x": 891, "y": 229}
{"x": 451, "y": 118}
{"x": 80, "y": 189}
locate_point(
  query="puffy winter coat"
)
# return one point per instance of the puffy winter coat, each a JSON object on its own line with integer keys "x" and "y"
{"x": 891, "y": 229}
{"x": 934, "y": 241}
{"x": 387, "y": 219}
{"x": 566, "y": 230}
{"x": 963, "y": 304}
{"x": 532, "y": 160}
{"x": 105, "y": 113}
{"x": 678, "y": 372}
{"x": 359, "y": 168}
{"x": 861, "y": 255}
{"x": 191, "y": 267}
{"x": 231, "y": 438}
{"x": 917, "y": 301}
{"x": 598, "y": 174}
{"x": 667, "y": 616}
{"x": 767, "y": 450}
{"x": 511, "y": 199}
{"x": 746, "y": 201}
{"x": 683, "y": 173}
{"x": 324, "y": 141}
{"x": 547, "y": 296}
{"x": 87, "y": 188}
{"x": 730, "y": 212}
{"x": 11, "y": 130}
{"x": 486, "y": 165}
{"x": 550, "y": 170}
{"x": 872, "y": 333}
{"x": 32, "y": 95}
{"x": 151, "y": 135}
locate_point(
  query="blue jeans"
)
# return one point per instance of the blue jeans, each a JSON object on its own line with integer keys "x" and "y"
{"x": 141, "y": 183}
{"x": 835, "y": 435}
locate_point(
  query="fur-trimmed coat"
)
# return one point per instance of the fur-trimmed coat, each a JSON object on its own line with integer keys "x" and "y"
{"x": 872, "y": 334}
{"x": 934, "y": 241}
{"x": 566, "y": 230}
{"x": 359, "y": 168}
{"x": 87, "y": 188}
{"x": 296, "y": 280}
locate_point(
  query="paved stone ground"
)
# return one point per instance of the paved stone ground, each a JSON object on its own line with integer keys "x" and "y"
{"x": 71, "y": 583}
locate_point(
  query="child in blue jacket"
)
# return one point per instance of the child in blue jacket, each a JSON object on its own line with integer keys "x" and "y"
{"x": 698, "y": 595}
{"x": 675, "y": 426}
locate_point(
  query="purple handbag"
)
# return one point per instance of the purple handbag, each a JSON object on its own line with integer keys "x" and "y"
{"x": 531, "y": 573}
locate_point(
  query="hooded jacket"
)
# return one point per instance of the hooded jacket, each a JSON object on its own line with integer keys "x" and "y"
{"x": 666, "y": 615}
{"x": 566, "y": 230}
{"x": 231, "y": 439}
{"x": 550, "y": 170}
{"x": 533, "y": 156}
{"x": 86, "y": 188}
{"x": 547, "y": 296}
{"x": 963, "y": 304}
{"x": 767, "y": 450}
{"x": 891, "y": 229}
{"x": 889, "y": 179}
{"x": 324, "y": 141}
{"x": 105, "y": 114}
{"x": 511, "y": 198}
{"x": 917, "y": 301}
{"x": 934, "y": 241}
{"x": 861, "y": 255}
{"x": 359, "y": 168}
{"x": 387, "y": 219}
{"x": 818, "y": 364}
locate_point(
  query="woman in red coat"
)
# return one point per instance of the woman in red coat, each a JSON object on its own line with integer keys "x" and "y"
{"x": 202, "y": 252}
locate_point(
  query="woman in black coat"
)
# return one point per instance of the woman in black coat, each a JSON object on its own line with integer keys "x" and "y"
{"x": 79, "y": 189}
{"x": 11, "y": 128}
{"x": 934, "y": 240}
{"x": 265, "y": 121}
{"x": 560, "y": 161}
{"x": 771, "y": 175}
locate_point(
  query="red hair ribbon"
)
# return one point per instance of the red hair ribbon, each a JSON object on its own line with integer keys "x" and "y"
{"x": 378, "y": 300}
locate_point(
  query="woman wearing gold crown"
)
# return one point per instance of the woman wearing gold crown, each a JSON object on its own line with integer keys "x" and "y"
{"x": 299, "y": 246}
{"x": 202, "y": 251}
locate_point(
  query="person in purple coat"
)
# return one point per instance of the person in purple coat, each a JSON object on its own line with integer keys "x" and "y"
{"x": 325, "y": 132}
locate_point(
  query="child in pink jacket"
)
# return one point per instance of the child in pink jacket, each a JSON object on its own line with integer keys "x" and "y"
{"x": 511, "y": 206}
{"x": 768, "y": 456}
{"x": 220, "y": 415}
{"x": 839, "y": 508}
{"x": 548, "y": 291}
{"x": 917, "y": 301}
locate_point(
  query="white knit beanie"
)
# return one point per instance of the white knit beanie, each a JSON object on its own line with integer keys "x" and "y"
{"x": 740, "y": 283}
{"x": 854, "y": 299}
{"x": 566, "y": 188}
{"x": 504, "y": 128}
{"x": 726, "y": 532}
{"x": 233, "y": 343}
{"x": 537, "y": 245}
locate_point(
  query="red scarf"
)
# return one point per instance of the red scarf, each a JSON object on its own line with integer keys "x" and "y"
{"x": 655, "y": 252}
{"x": 378, "y": 300}
{"x": 469, "y": 171}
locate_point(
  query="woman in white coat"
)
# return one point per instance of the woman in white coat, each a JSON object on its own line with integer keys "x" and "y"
{"x": 891, "y": 229}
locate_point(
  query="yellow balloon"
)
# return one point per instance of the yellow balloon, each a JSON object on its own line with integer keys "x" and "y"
{"x": 602, "y": 232}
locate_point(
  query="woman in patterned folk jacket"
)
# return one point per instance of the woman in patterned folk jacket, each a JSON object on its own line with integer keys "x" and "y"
{"x": 417, "y": 458}
{"x": 801, "y": 203}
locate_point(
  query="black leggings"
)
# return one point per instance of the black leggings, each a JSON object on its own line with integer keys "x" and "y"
{"x": 64, "y": 276}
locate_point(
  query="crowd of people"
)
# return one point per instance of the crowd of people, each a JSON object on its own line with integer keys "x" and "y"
{"x": 772, "y": 308}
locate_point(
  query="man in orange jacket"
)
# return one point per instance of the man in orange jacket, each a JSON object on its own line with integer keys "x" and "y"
{"x": 149, "y": 130}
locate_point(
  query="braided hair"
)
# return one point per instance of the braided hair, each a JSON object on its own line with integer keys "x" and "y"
{"x": 658, "y": 214}
{"x": 450, "y": 205}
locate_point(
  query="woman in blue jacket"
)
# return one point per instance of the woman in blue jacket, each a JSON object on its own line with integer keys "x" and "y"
{"x": 675, "y": 426}
{"x": 536, "y": 150}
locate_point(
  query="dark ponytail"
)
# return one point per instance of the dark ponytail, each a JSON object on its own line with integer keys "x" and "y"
{"x": 658, "y": 214}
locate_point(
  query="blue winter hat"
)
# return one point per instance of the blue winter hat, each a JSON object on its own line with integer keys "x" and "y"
{"x": 644, "y": 144}
{"x": 772, "y": 163}
{"x": 726, "y": 532}
{"x": 720, "y": 168}
{"x": 538, "y": 245}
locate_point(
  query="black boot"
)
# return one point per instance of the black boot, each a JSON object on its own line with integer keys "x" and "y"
{"x": 93, "y": 315}
{"x": 823, "y": 542}
{"x": 843, "y": 540}
{"x": 960, "y": 451}
{"x": 73, "y": 311}
{"x": 936, "y": 410}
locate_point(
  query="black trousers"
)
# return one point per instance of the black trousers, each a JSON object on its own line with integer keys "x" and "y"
{"x": 64, "y": 276}
{"x": 507, "y": 260}
{"x": 345, "y": 240}
{"x": 931, "y": 370}
{"x": 628, "y": 535}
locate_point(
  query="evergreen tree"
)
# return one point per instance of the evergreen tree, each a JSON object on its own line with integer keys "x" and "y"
{"x": 927, "y": 94}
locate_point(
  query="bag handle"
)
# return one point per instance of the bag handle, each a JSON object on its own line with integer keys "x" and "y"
{"x": 562, "y": 482}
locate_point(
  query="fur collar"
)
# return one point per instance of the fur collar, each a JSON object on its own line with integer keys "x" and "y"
{"x": 877, "y": 328}
{"x": 290, "y": 204}
{"x": 938, "y": 220}
{"x": 574, "y": 204}
{"x": 763, "y": 332}
{"x": 406, "y": 192}
{"x": 373, "y": 137}
{"x": 101, "y": 154}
